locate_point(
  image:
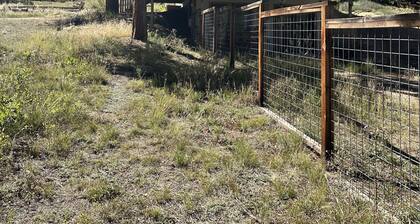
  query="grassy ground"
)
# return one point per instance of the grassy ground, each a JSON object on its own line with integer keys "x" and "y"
{"x": 372, "y": 8}
{"x": 95, "y": 128}
{"x": 50, "y": 9}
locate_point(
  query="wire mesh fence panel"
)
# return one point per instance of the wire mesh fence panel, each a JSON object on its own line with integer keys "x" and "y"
{"x": 208, "y": 32}
{"x": 125, "y": 6}
{"x": 292, "y": 69}
{"x": 223, "y": 31}
{"x": 376, "y": 98}
{"x": 246, "y": 39}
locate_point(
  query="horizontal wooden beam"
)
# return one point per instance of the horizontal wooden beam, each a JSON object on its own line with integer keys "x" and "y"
{"x": 251, "y": 6}
{"x": 212, "y": 9}
{"x": 228, "y": 2}
{"x": 308, "y": 8}
{"x": 310, "y": 142}
{"x": 404, "y": 20}
{"x": 165, "y": 1}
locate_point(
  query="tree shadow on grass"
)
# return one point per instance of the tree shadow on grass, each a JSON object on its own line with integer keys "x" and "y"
{"x": 168, "y": 68}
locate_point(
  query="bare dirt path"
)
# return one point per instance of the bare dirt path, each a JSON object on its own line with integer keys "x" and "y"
{"x": 119, "y": 96}
{"x": 13, "y": 29}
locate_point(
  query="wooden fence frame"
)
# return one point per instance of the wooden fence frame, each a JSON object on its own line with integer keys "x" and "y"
{"x": 326, "y": 146}
{"x": 327, "y": 130}
{"x": 403, "y": 20}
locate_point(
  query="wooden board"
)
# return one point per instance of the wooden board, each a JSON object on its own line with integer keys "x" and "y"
{"x": 208, "y": 10}
{"x": 308, "y": 8}
{"x": 251, "y": 6}
{"x": 327, "y": 125}
{"x": 404, "y": 20}
{"x": 314, "y": 145}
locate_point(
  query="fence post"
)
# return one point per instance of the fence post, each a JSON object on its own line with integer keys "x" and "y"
{"x": 260, "y": 57}
{"x": 203, "y": 43}
{"x": 232, "y": 37}
{"x": 214, "y": 29}
{"x": 327, "y": 117}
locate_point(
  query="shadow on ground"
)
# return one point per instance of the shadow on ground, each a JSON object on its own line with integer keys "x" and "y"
{"x": 168, "y": 66}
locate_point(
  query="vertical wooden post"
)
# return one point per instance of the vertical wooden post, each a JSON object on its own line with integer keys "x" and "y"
{"x": 260, "y": 58}
{"x": 327, "y": 122}
{"x": 203, "y": 39}
{"x": 139, "y": 20}
{"x": 214, "y": 29}
{"x": 232, "y": 37}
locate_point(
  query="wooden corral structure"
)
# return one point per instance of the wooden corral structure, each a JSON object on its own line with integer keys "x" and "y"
{"x": 194, "y": 8}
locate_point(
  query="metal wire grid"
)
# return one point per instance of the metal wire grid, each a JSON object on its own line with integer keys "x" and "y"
{"x": 223, "y": 31}
{"x": 125, "y": 6}
{"x": 247, "y": 37}
{"x": 291, "y": 69}
{"x": 208, "y": 36}
{"x": 376, "y": 98}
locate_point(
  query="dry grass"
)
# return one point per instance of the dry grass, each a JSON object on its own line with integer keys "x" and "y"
{"x": 150, "y": 151}
{"x": 372, "y": 8}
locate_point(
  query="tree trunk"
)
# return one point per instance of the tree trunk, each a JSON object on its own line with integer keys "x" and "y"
{"x": 139, "y": 20}
{"x": 350, "y": 7}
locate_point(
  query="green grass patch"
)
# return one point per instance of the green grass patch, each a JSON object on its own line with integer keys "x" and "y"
{"x": 101, "y": 190}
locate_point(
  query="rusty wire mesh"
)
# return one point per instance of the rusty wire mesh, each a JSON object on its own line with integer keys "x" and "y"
{"x": 291, "y": 69}
{"x": 377, "y": 119}
{"x": 208, "y": 31}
